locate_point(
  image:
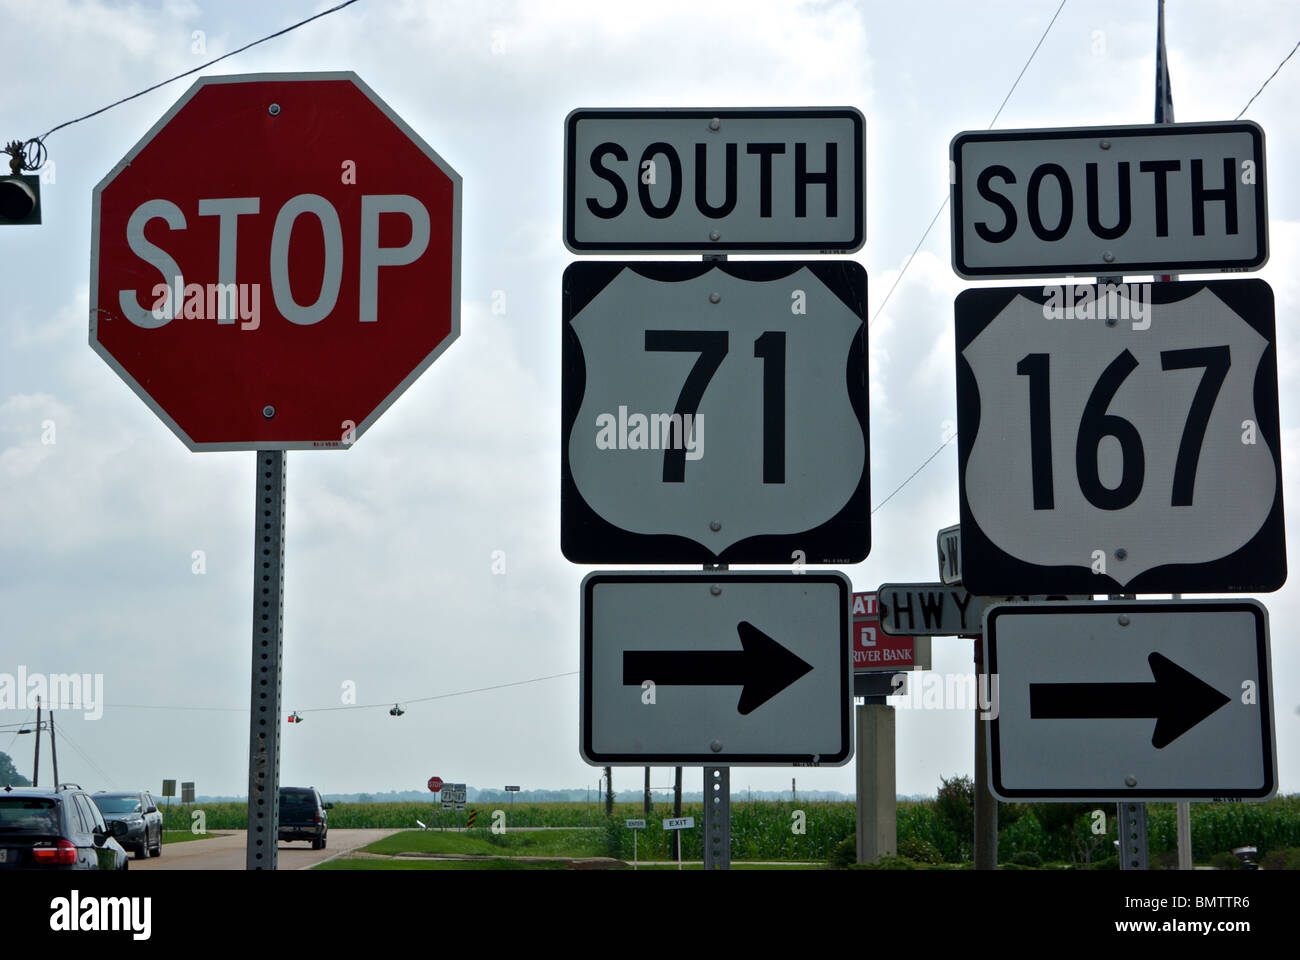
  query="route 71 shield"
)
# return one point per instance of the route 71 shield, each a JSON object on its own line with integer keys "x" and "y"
{"x": 715, "y": 412}
{"x": 1120, "y": 438}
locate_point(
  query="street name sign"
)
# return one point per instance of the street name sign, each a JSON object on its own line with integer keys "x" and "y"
{"x": 938, "y": 610}
{"x": 512, "y": 789}
{"x": 1134, "y": 455}
{"x": 778, "y": 180}
{"x": 1185, "y": 197}
{"x": 1131, "y": 700}
{"x": 721, "y": 668}
{"x": 260, "y": 280}
{"x": 715, "y": 413}
{"x": 876, "y": 650}
{"x": 948, "y": 541}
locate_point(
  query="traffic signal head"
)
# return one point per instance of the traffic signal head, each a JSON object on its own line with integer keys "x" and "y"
{"x": 20, "y": 199}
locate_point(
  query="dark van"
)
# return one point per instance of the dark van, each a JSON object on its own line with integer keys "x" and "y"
{"x": 303, "y": 816}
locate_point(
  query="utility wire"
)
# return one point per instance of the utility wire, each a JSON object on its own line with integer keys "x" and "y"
{"x": 352, "y": 706}
{"x": 946, "y": 196}
{"x": 1266, "y": 82}
{"x": 39, "y": 142}
{"x": 914, "y": 473}
{"x": 62, "y": 737}
{"x": 934, "y": 220}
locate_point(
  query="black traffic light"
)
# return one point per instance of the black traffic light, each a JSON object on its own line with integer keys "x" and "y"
{"x": 20, "y": 199}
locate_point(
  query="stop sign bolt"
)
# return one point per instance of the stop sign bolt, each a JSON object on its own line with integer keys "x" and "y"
{"x": 268, "y": 411}
{"x": 273, "y": 109}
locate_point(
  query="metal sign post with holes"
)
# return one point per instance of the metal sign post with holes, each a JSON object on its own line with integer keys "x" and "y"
{"x": 240, "y": 338}
{"x": 715, "y": 413}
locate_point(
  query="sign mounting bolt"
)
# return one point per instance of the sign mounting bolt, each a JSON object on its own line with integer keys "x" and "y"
{"x": 715, "y": 590}
{"x": 716, "y": 746}
{"x": 1130, "y": 781}
{"x": 715, "y": 525}
{"x": 1124, "y": 622}
{"x": 1121, "y": 554}
{"x": 1108, "y": 257}
{"x": 273, "y": 109}
{"x": 268, "y": 411}
{"x": 715, "y": 236}
{"x": 715, "y": 125}
{"x": 715, "y": 298}
{"x": 1105, "y": 144}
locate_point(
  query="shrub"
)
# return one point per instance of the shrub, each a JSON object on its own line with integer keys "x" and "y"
{"x": 844, "y": 853}
{"x": 1226, "y": 861}
{"x": 919, "y": 849}
{"x": 1106, "y": 863}
{"x": 1027, "y": 858}
{"x": 956, "y": 805}
{"x": 887, "y": 862}
{"x": 1287, "y": 858}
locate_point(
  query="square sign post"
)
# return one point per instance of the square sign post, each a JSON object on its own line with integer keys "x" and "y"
{"x": 1135, "y": 432}
{"x": 227, "y": 357}
{"x": 715, "y": 413}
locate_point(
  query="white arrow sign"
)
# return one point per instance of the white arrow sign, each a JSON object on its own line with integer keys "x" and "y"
{"x": 1134, "y": 456}
{"x": 721, "y": 668}
{"x": 1130, "y": 700}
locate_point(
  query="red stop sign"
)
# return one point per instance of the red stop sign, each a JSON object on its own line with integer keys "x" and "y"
{"x": 435, "y": 784}
{"x": 275, "y": 262}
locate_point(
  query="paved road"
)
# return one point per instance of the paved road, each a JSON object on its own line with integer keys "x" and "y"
{"x": 228, "y": 851}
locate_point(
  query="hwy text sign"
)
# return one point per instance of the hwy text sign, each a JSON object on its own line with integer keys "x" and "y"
{"x": 1119, "y": 442}
{"x": 275, "y": 262}
{"x": 711, "y": 181}
{"x": 1131, "y": 700}
{"x": 1185, "y": 197}
{"x": 936, "y": 609}
{"x": 715, "y": 668}
{"x": 715, "y": 412}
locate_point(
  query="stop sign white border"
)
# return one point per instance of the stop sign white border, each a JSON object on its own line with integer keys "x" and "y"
{"x": 144, "y": 141}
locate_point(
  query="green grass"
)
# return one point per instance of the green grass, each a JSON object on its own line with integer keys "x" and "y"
{"x": 366, "y": 864}
{"x": 184, "y": 836}
{"x": 541, "y": 843}
{"x": 762, "y": 830}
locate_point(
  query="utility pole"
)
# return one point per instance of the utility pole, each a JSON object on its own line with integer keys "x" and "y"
{"x": 677, "y": 811}
{"x": 609, "y": 791}
{"x": 54, "y": 751}
{"x": 646, "y": 802}
{"x": 36, "y": 762}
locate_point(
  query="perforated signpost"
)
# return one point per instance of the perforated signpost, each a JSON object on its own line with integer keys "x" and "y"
{"x": 1117, "y": 438}
{"x": 715, "y": 413}
{"x": 264, "y": 283}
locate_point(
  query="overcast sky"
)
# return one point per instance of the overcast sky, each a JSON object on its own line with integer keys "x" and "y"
{"x": 390, "y": 545}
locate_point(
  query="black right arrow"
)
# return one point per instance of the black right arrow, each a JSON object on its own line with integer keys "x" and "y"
{"x": 1177, "y": 700}
{"x": 762, "y": 668}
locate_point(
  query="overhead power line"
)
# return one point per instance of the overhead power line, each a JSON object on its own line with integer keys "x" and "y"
{"x": 36, "y": 146}
{"x": 352, "y": 706}
{"x": 915, "y": 250}
{"x": 1266, "y": 82}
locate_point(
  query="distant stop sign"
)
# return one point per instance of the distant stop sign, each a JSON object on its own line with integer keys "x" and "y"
{"x": 275, "y": 262}
{"x": 435, "y": 784}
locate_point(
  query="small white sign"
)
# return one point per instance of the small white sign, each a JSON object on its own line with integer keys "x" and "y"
{"x": 634, "y": 824}
{"x": 679, "y": 823}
